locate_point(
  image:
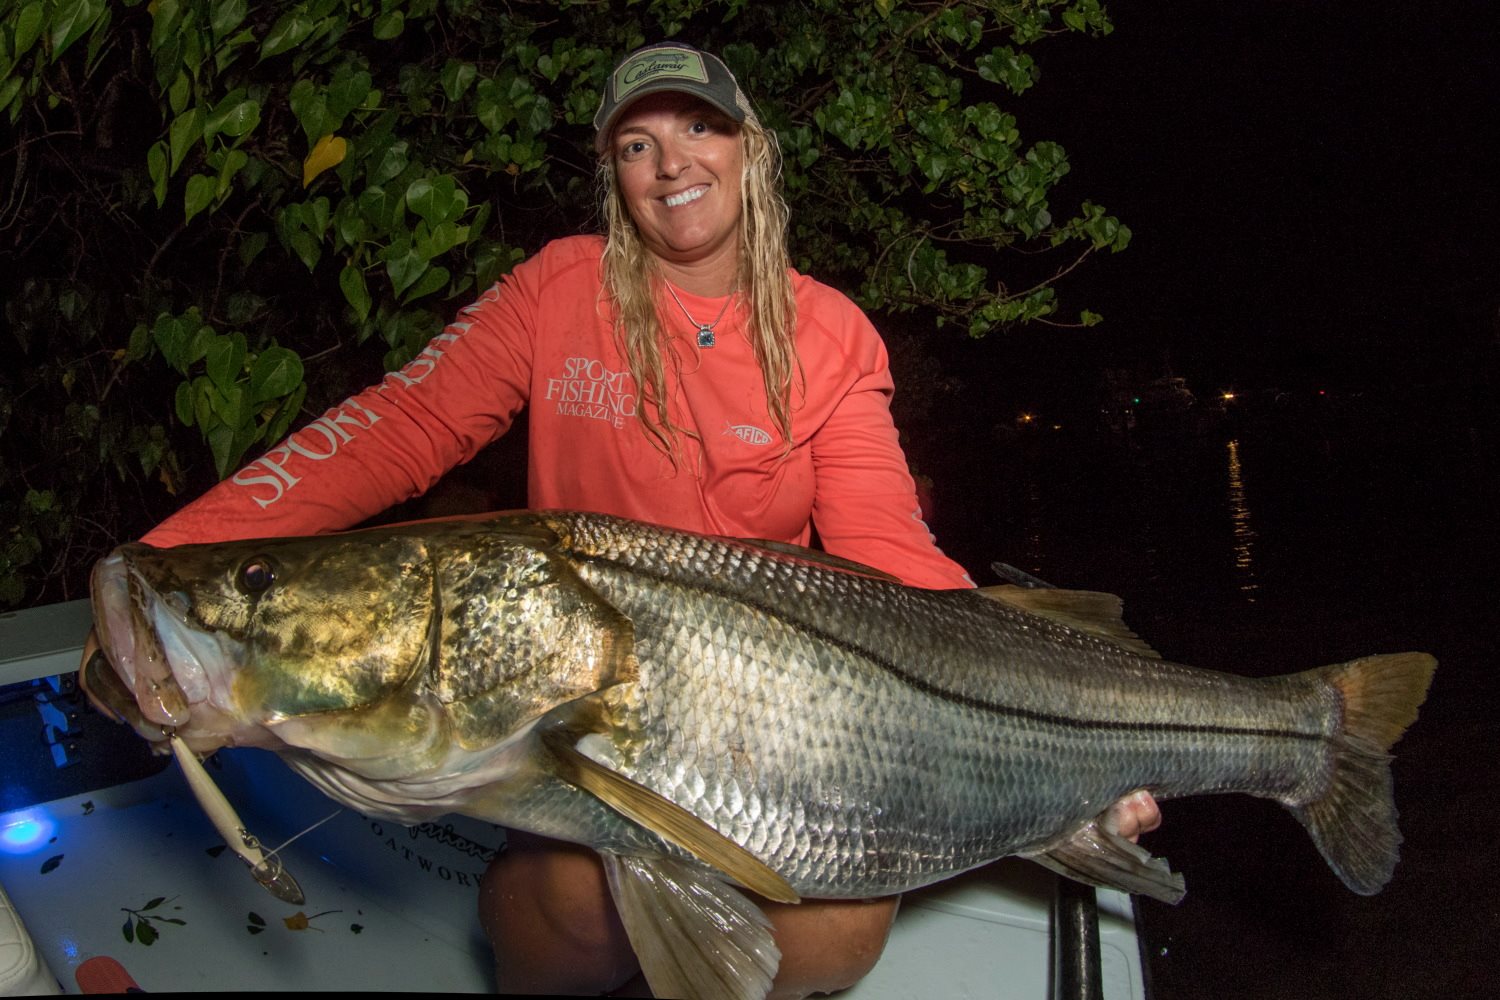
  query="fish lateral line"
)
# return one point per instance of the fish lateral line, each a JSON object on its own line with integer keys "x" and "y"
{"x": 927, "y": 687}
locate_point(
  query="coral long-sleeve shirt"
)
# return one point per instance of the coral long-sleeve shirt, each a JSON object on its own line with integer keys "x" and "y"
{"x": 543, "y": 336}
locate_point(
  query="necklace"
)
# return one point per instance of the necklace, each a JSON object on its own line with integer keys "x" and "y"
{"x": 705, "y": 330}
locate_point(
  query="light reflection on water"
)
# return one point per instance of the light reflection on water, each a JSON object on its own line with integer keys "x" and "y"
{"x": 1244, "y": 533}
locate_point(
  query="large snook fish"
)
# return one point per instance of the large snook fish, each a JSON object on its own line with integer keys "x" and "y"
{"x": 707, "y": 712}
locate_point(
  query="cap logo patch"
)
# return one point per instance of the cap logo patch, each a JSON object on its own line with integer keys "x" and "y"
{"x": 657, "y": 64}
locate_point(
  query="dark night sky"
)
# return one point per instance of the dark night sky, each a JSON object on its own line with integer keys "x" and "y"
{"x": 1312, "y": 186}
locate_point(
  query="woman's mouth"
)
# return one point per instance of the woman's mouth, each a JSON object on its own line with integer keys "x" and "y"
{"x": 684, "y": 197}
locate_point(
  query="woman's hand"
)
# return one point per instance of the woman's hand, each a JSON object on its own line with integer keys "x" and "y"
{"x": 1135, "y": 814}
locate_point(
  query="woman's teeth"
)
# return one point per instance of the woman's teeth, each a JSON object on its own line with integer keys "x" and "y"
{"x": 673, "y": 200}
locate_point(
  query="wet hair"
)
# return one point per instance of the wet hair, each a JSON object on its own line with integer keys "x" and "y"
{"x": 632, "y": 277}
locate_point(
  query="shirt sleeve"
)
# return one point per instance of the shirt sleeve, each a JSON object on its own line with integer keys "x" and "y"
{"x": 386, "y": 444}
{"x": 865, "y": 504}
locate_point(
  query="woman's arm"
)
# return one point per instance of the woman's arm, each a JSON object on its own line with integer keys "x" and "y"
{"x": 384, "y": 445}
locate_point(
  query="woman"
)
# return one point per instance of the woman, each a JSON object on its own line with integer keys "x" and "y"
{"x": 678, "y": 371}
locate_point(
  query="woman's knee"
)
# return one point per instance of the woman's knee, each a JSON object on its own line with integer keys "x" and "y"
{"x": 546, "y": 910}
{"x": 828, "y": 945}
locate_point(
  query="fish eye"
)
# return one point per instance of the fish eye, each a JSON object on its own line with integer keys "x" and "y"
{"x": 255, "y": 575}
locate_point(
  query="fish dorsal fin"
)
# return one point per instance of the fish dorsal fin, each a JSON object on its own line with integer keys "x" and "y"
{"x": 817, "y": 558}
{"x": 695, "y": 936}
{"x": 1096, "y": 855}
{"x": 661, "y": 816}
{"x": 1089, "y": 611}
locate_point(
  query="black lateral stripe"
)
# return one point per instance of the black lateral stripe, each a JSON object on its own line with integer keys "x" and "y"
{"x": 928, "y": 687}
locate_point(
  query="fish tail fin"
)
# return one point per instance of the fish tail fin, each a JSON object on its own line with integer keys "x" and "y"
{"x": 1353, "y": 822}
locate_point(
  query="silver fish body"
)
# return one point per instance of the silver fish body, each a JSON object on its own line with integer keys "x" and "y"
{"x": 765, "y": 715}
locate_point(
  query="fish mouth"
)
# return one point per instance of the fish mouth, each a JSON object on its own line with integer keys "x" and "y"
{"x": 153, "y": 671}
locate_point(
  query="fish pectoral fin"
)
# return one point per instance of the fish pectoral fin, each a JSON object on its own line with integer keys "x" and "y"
{"x": 663, "y": 817}
{"x": 695, "y": 936}
{"x": 1098, "y": 856}
{"x": 1097, "y": 614}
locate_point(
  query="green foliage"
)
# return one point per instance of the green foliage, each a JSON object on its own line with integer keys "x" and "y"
{"x": 222, "y": 216}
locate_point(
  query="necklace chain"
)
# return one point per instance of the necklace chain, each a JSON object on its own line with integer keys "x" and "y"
{"x": 705, "y": 330}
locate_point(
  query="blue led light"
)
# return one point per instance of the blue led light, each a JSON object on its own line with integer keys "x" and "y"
{"x": 26, "y": 831}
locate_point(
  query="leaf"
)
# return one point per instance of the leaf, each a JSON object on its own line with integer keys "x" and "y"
{"x": 327, "y": 154}
{"x": 233, "y": 119}
{"x": 310, "y": 105}
{"x": 289, "y": 31}
{"x": 392, "y": 161}
{"x": 28, "y": 28}
{"x": 226, "y": 360}
{"x": 436, "y": 200}
{"x": 233, "y": 164}
{"x": 356, "y": 928}
{"x": 257, "y": 919}
{"x": 251, "y": 247}
{"x": 276, "y": 372}
{"x": 70, "y": 20}
{"x": 200, "y": 191}
{"x": 388, "y": 26}
{"x": 156, "y": 165}
{"x": 432, "y": 279}
{"x": 403, "y": 264}
{"x": 277, "y": 427}
{"x": 88, "y": 807}
{"x": 356, "y": 292}
{"x": 307, "y": 248}
{"x": 51, "y": 863}
{"x": 457, "y": 77}
{"x": 296, "y": 922}
{"x": 185, "y": 131}
{"x": 153, "y": 904}
{"x": 183, "y": 403}
{"x": 221, "y": 445}
{"x": 145, "y": 934}
{"x": 178, "y": 94}
{"x": 217, "y": 850}
{"x": 227, "y": 15}
{"x": 129, "y": 930}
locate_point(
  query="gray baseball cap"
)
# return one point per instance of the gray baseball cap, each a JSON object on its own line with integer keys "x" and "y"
{"x": 668, "y": 66}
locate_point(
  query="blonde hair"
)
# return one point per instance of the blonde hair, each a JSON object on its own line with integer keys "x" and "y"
{"x": 631, "y": 276}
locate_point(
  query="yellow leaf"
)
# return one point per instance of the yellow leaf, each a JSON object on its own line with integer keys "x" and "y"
{"x": 326, "y": 154}
{"x": 296, "y": 922}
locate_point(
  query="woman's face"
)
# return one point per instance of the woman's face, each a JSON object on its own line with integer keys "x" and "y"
{"x": 678, "y": 164}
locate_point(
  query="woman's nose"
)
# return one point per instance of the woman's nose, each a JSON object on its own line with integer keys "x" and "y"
{"x": 671, "y": 159}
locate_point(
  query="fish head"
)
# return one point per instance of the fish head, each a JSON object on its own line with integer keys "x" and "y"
{"x": 310, "y": 642}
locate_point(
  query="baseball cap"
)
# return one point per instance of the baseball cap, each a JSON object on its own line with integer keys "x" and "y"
{"x": 668, "y": 66}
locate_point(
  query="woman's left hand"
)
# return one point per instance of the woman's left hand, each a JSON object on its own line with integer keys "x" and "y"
{"x": 1135, "y": 814}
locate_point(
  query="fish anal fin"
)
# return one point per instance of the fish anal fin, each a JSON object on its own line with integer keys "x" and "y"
{"x": 665, "y": 818}
{"x": 1095, "y": 855}
{"x": 1097, "y": 614}
{"x": 695, "y": 937}
{"x": 1353, "y": 821}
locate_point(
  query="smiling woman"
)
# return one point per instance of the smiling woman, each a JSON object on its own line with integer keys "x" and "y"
{"x": 678, "y": 371}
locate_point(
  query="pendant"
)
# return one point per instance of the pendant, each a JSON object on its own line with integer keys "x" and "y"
{"x": 705, "y": 336}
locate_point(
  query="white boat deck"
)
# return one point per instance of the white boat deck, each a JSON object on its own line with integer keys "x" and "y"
{"x": 391, "y": 908}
